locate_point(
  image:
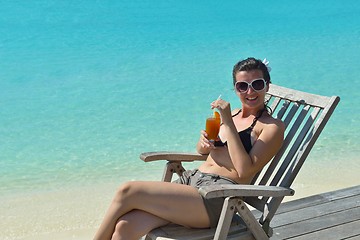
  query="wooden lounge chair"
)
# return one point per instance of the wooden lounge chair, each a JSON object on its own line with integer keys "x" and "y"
{"x": 305, "y": 116}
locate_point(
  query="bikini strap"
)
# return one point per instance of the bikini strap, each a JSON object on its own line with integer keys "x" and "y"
{"x": 233, "y": 115}
{"x": 236, "y": 113}
{"x": 257, "y": 117}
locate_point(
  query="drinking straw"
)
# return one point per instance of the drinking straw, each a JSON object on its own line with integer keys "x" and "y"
{"x": 216, "y": 100}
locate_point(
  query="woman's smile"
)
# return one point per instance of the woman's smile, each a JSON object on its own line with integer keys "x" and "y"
{"x": 252, "y": 98}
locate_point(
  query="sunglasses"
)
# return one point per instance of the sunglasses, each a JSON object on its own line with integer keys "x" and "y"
{"x": 256, "y": 84}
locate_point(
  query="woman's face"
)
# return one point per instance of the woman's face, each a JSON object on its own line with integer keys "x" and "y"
{"x": 251, "y": 98}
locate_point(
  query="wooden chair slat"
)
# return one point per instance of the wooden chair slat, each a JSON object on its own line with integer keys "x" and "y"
{"x": 295, "y": 147}
{"x": 288, "y": 139}
{"x": 274, "y": 101}
{"x": 298, "y": 96}
{"x": 290, "y": 115}
{"x": 283, "y": 109}
{"x": 310, "y": 141}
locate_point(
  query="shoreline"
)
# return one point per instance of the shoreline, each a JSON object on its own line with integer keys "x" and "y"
{"x": 76, "y": 212}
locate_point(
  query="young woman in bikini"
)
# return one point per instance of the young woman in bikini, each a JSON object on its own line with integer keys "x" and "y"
{"x": 248, "y": 139}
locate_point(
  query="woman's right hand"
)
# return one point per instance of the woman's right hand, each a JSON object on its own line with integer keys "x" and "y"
{"x": 204, "y": 145}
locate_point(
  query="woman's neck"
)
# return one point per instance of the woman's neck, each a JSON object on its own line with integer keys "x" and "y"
{"x": 246, "y": 112}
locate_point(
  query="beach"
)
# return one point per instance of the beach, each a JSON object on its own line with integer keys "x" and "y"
{"x": 76, "y": 213}
{"x": 87, "y": 86}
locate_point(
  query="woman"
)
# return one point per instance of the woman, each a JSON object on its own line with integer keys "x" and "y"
{"x": 248, "y": 139}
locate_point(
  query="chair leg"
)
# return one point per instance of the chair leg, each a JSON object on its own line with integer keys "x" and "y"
{"x": 170, "y": 169}
{"x": 225, "y": 219}
{"x": 250, "y": 221}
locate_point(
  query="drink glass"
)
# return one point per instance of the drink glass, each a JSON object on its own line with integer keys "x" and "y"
{"x": 212, "y": 127}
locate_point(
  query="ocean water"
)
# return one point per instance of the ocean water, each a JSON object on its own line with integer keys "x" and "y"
{"x": 86, "y": 86}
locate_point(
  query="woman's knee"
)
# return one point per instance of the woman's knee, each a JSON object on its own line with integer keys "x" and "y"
{"x": 126, "y": 192}
{"x": 124, "y": 230}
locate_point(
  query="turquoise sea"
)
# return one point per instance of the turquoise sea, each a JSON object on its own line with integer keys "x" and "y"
{"x": 86, "y": 86}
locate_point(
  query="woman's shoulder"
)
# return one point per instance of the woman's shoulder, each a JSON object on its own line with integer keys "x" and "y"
{"x": 270, "y": 128}
{"x": 270, "y": 121}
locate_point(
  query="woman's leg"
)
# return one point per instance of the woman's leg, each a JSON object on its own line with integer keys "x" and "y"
{"x": 177, "y": 203}
{"x": 135, "y": 224}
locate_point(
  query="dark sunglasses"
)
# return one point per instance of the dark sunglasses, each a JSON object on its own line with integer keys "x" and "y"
{"x": 256, "y": 84}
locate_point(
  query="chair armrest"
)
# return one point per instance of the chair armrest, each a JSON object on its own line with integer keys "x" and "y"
{"x": 225, "y": 190}
{"x": 172, "y": 156}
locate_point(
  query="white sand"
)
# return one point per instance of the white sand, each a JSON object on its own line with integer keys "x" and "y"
{"x": 76, "y": 213}
{"x": 64, "y": 214}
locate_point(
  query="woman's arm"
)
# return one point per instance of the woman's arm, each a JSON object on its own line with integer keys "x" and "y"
{"x": 264, "y": 148}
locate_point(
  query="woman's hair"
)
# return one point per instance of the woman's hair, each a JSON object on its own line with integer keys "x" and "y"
{"x": 250, "y": 64}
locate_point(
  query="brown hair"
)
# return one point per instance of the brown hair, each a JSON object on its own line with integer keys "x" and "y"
{"x": 250, "y": 64}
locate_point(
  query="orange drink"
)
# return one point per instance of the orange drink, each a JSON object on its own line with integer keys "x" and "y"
{"x": 213, "y": 126}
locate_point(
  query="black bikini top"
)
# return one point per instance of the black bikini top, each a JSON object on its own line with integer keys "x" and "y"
{"x": 245, "y": 135}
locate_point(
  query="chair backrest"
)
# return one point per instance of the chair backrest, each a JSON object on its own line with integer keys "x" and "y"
{"x": 305, "y": 116}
